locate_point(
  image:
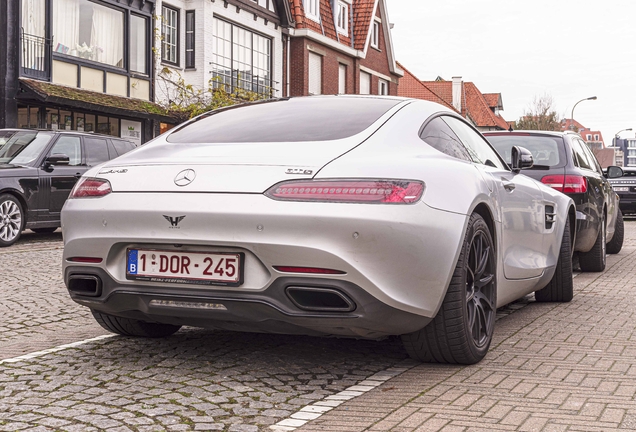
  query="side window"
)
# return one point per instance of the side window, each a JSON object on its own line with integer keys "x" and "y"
{"x": 479, "y": 149}
{"x": 122, "y": 146}
{"x": 580, "y": 155}
{"x": 593, "y": 161}
{"x": 70, "y": 146}
{"x": 441, "y": 137}
{"x": 96, "y": 151}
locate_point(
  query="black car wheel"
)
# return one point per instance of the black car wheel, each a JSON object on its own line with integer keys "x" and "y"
{"x": 616, "y": 244}
{"x": 462, "y": 330}
{"x": 11, "y": 220}
{"x": 133, "y": 327}
{"x": 561, "y": 286}
{"x": 594, "y": 259}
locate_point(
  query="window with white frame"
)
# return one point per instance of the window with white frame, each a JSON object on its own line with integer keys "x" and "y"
{"x": 375, "y": 35}
{"x": 312, "y": 9}
{"x": 342, "y": 23}
{"x": 170, "y": 35}
{"x": 315, "y": 74}
{"x": 342, "y": 79}
{"x": 383, "y": 87}
{"x": 365, "y": 83}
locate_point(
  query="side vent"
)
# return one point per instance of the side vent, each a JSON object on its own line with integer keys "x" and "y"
{"x": 550, "y": 217}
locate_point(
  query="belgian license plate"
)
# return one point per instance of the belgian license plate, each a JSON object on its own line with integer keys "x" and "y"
{"x": 200, "y": 268}
{"x": 621, "y": 189}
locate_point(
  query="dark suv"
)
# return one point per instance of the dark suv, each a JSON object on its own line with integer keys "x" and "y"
{"x": 625, "y": 187}
{"x": 38, "y": 169}
{"x": 563, "y": 161}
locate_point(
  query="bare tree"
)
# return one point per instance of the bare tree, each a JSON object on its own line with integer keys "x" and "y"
{"x": 541, "y": 115}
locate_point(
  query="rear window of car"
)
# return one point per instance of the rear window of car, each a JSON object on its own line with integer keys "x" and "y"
{"x": 5, "y": 135}
{"x": 545, "y": 149}
{"x": 289, "y": 120}
{"x": 122, "y": 147}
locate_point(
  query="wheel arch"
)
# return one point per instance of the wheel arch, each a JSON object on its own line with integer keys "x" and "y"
{"x": 483, "y": 210}
{"x": 572, "y": 218}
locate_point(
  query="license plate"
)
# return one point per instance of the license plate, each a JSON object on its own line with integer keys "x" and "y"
{"x": 199, "y": 268}
{"x": 621, "y": 189}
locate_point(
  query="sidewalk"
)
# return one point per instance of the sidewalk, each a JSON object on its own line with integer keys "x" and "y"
{"x": 551, "y": 367}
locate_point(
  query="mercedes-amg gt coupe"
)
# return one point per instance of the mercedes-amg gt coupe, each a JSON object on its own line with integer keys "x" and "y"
{"x": 349, "y": 216}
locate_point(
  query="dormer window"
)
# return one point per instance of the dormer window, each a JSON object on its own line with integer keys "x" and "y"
{"x": 312, "y": 9}
{"x": 375, "y": 35}
{"x": 342, "y": 23}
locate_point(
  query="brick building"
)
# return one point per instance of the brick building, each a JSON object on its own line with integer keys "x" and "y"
{"x": 341, "y": 47}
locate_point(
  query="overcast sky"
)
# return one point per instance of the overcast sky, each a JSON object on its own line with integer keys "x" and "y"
{"x": 524, "y": 49}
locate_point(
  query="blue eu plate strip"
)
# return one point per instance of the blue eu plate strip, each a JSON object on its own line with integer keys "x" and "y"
{"x": 132, "y": 262}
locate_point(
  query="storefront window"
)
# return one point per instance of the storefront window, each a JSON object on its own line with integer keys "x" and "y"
{"x": 102, "y": 125}
{"x": 28, "y": 117}
{"x": 66, "y": 120}
{"x": 90, "y": 31}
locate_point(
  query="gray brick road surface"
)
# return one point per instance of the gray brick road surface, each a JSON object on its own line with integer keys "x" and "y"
{"x": 551, "y": 367}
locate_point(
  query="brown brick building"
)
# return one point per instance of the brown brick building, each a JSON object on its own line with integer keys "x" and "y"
{"x": 340, "y": 47}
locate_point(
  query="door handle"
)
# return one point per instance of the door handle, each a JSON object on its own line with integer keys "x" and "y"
{"x": 509, "y": 186}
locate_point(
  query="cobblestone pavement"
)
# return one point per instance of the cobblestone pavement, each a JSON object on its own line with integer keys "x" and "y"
{"x": 551, "y": 367}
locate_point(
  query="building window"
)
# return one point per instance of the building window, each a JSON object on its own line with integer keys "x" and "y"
{"x": 383, "y": 87}
{"x": 312, "y": 9}
{"x": 242, "y": 59}
{"x": 365, "y": 83}
{"x": 89, "y": 31}
{"x": 170, "y": 35}
{"x": 596, "y": 137}
{"x": 315, "y": 74}
{"x": 189, "y": 39}
{"x": 375, "y": 35}
{"x": 342, "y": 79}
{"x": 343, "y": 18}
{"x": 138, "y": 44}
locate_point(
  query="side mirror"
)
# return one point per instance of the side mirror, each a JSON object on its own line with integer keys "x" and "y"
{"x": 520, "y": 158}
{"x": 56, "y": 159}
{"x": 614, "y": 172}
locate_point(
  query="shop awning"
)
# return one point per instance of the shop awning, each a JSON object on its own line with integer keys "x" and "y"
{"x": 81, "y": 99}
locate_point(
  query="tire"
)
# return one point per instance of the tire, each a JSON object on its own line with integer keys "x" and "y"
{"x": 11, "y": 220}
{"x": 561, "y": 286}
{"x": 43, "y": 230}
{"x": 133, "y": 327}
{"x": 594, "y": 259}
{"x": 616, "y": 244}
{"x": 462, "y": 330}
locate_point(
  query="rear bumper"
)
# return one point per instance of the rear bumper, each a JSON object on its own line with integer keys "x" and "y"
{"x": 397, "y": 260}
{"x": 269, "y": 311}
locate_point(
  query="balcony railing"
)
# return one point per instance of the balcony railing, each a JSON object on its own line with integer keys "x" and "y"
{"x": 234, "y": 80}
{"x": 35, "y": 56}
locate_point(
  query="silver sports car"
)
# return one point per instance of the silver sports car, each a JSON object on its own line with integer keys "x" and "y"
{"x": 351, "y": 216}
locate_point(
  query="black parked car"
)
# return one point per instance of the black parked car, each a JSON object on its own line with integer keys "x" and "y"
{"x": 38, "y": 169}
{"x": 563, "y": 161}
{"x": 625, "y": 187}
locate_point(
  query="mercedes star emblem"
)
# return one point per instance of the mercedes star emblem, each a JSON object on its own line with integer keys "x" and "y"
{"x": 185, "y": 177}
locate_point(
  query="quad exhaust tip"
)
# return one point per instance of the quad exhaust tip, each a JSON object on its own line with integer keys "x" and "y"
{"x": 320, "y": 299}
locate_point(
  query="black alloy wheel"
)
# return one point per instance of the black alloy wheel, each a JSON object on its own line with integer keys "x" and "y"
{"x": 463, "y": 328}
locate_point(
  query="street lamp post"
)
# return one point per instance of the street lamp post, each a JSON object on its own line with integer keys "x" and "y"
{"x": 590, "y": 98}
{"x": 617, "y": 135}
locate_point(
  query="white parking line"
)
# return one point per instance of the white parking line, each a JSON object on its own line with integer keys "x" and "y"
{"x": 55, "y": 349}
{"x": 315, "y": 410}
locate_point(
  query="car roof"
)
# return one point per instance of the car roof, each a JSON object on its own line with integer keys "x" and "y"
{"x": 62, "y": 131}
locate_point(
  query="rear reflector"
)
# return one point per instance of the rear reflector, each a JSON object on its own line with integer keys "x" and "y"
{"x": 312, "y": 270}
{"x": 91, "y": 260}
{"x": 88, "y": 187}
{"x": 349, "y": 191}
{"x": 566, "y": 183}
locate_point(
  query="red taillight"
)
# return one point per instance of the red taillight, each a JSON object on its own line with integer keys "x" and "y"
{"x": 349, "y": 191}
{"x": 566, "y": 184}
{"x": 91, "y": 260}
{"x": 88, "y": 187}
{"x": 312, "y": 270}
